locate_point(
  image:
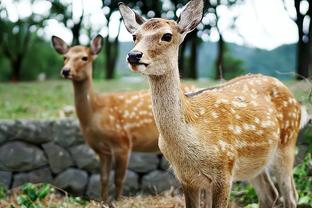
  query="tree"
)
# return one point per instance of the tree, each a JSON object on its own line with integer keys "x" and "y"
{"x": 304, "y": 44}
{"x": 16, "y": 38}
{"x": 63, "y": 12}
{"x": 213, "y": 24}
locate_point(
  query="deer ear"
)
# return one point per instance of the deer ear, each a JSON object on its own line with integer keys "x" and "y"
{"x": 191, "y": 16}
{"x": 96, "y": 45}
{"x": 131, "y": 19}
{"x": 59, "y": 45}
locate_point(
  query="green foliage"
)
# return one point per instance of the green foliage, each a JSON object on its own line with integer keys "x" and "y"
{"x": 233, "y": 66}
{"x": 3, "y": 191}
{"x": 31, "y": 195}
{"x": 303, "y": 181}
{"x": 243, "y": 193}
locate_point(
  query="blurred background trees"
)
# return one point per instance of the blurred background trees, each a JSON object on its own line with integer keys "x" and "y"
{"x": 26, "y": 53}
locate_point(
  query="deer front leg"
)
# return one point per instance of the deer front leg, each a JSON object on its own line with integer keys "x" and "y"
{"x": 121, "y": 164}
{"x": 266, "y": 191}
{"x": 192, "y": 196}
{"x": 105, "y": 163}
{"x": 221, "y": 192}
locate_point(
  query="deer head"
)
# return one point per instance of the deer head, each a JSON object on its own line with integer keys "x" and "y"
{"x": 157, "y": 40}
{"x": 77, "y": 59}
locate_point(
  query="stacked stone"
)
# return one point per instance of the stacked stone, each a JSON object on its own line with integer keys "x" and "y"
{"x": 54, "y": 152}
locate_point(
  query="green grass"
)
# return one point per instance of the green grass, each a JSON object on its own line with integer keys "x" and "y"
{"x": 44, "y": 100}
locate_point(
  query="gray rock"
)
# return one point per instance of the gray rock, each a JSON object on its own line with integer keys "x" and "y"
{"x": 164, "y": 164}
{"x": 143, "y": 162}
{"x": 5, "y": 178}
{"x": 20, "y": 156}
{"x": 131, "y": 185}
{"x": 72, "y": 180}
{"x": 158, "y": 181}
{"x": 67, "y": 132}
{"x": 94, "y": 187}
{"x": 85, "y": 158}
{"x": 36, "y": 132}
{"x": 42, "y": 175}
{"x": 59, "y": 159}
{"x": 6, "y": 130}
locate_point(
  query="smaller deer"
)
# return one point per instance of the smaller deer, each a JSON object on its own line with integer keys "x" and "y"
{"x": 113, "y": 124}
{"x": 238, "y": 131}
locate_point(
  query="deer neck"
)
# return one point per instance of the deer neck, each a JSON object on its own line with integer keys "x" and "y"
{"x": 83, "y": 92}
{"x": 169, "y": 103}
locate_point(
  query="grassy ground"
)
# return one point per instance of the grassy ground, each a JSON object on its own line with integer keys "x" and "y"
{"x": 44, "y": 100}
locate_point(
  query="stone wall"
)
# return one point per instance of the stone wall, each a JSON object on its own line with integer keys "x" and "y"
{"x": 54, "y": 152}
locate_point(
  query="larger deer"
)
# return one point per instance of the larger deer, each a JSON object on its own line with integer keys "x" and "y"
{"x": 213, "y": 137}
{"x": 113, "y": 124}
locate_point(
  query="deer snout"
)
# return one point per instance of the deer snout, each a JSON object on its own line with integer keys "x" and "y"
{"x": 65, "y": 72}
{"x": 134, "y": 57}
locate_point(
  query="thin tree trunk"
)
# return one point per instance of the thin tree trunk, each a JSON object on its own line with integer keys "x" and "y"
{"x": 16, "y": 66}
{"x": 220, "y": 58}
{"x": 182, "y": 60}
{"x": 111, "y": 53}
{"x": 303, "y": 54}
{"x": 193, "y": 58}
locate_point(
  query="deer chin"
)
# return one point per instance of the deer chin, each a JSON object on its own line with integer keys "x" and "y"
{"x": 138, "y": 67}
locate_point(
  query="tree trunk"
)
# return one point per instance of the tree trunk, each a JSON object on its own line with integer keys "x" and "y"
{"x": 182, "y": 60}
{"x": 76, "y": 31}
{"x": 111, "y": 54}
{"x": 220, "y": 58}
{"x": 193, "y": 58}
{"x": 16, "y": 66}
{"x": 303, "y": 49}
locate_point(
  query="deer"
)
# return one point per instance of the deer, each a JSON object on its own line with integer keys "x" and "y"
{"x": 238, "y": 131}
{"x": 112, "y": 124}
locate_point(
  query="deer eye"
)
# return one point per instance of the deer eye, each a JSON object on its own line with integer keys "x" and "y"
{"x": 85, "y": 58}
{"x": 65, "y": 58}
{"x": 166, "y": 37}
{"x": 134, "y": 38}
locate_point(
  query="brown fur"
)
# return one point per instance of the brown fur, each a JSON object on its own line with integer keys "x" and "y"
{"x": 237, "y": 131}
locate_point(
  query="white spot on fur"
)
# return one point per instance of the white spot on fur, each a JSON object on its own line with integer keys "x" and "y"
{"x": 235, "y": 129}
{"x": 214, "y": 114}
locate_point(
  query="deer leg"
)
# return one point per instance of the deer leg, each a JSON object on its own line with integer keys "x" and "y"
{"x": 121, "y": 164}
{"x": 206, "y": 197}
{"x": 221, "y": 193}
{"x": 192, "y": 196}
{"x": 282, "y": 168}
{"x": 266, "y": 191}
{"x": 105, "y": 163}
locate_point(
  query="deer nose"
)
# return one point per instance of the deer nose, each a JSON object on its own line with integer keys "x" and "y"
{"x": 65, "y": 72}
{"x": 134, "y": 57}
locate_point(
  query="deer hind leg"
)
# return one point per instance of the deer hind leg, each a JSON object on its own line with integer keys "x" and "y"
{"x": 282, "y": 168}
{"x": 206, "y": 197}
{"x": 265, "y": 189}
{"x": 105, "y": 163}
{"x": 192, "y": 196}
{"x": 121, "y": 164}
{"x": 221, "y": 193}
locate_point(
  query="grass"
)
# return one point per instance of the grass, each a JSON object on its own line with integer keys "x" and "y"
{"x": 44, "y": 100}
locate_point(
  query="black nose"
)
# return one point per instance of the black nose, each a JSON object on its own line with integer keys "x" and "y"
{"x": 65, "y": 72}
{"x": 134, "y": 57}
